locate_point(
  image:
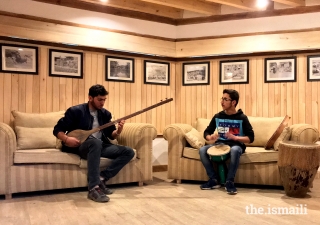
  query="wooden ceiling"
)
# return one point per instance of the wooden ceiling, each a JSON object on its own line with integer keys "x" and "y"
{"x": 180, "y": 12}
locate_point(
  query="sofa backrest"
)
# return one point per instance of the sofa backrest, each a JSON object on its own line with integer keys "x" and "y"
{"x": 263, "y": 128}
{"x": 34, "y": 130}
{"x": 201, "y": 124}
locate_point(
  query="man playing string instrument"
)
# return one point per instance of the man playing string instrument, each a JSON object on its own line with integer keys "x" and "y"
{"x": 88, "y": 116}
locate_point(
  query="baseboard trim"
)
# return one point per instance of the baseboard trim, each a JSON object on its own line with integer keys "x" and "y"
{"x": 159, "y": 168}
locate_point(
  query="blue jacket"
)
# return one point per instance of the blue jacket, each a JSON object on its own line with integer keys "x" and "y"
{"x": 79, "y": 117}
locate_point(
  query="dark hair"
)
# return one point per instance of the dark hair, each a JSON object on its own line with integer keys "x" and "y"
{"x": 96, "y": 90}
{"x": 234, "y": 95}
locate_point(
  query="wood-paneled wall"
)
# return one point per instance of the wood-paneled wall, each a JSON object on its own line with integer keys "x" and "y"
{"x": 299, "y": 100}
{"x": 42, "y": 93}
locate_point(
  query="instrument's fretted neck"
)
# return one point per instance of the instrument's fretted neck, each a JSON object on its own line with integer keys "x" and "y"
{"x": 134, "y": 114}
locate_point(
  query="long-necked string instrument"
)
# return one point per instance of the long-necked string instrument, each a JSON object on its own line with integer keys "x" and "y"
{"x": 82, "y": 135}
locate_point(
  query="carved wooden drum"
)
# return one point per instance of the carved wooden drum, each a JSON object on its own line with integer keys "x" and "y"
{"x": 298, "y": 164}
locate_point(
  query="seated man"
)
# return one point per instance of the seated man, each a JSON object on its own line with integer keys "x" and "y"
{"x": 86, "y": 117}
{"x": 234, "y": 129}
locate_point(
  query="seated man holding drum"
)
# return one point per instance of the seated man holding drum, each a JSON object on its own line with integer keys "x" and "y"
{"x": 234, "y": 129}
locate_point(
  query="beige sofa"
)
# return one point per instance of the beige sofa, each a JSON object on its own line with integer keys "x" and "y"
{"x": 257, "y": 165}
{"x": 31, "y": 160}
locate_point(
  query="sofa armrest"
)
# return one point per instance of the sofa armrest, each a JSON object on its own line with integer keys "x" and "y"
{"x": 7, "y": 148}
{"x": 304, "y": 133}
{"x": 138, "y": 136}
{"x": 174, "y": 134}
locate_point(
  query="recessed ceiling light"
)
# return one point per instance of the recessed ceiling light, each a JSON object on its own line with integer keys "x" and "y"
{"x": 262, "y": 3}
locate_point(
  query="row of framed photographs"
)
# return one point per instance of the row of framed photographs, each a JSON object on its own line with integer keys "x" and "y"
{"x": 24, "y": 59}
{"x": 282, "y": 69}
{"x": 231, "y": 71}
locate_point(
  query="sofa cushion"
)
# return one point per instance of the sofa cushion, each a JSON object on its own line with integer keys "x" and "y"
{"x": 104, "y": 162}
{"x": 45, "y": 156}
{"x": 277, "y": 133}
{"x": 194, "y": 138}
{"x": 263, "y": 128}
{"x": 252, "y": 155}
{"x": 284, "y": 136}
{"x": 35, "y": 138}
{"x": 36, "y": 119}
{"x": 201, "y": 124}
{"x": 34, "y": 130}
{"x": 258, "y": 155}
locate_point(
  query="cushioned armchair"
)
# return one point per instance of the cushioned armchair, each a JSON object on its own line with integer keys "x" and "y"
{"x": 31, "y": 159}
{"x": 257, "y": 165}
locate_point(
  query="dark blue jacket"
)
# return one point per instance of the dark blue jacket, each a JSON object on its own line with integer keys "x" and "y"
{"x": 79, "y": 117}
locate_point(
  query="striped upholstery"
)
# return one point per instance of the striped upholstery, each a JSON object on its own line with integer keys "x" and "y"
{"x": 45, "y": 156}
{"x": 304, "y": 133}
{"x": 257, "y": 165}
{"x": 7, "y": 146}
{"x": 25, "y": 177}
{"x": 259, "y": 173}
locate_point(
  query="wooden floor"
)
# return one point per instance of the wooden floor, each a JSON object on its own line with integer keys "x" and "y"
{"x": 163, "y": 202}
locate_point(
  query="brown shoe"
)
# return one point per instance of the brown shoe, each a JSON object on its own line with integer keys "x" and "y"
{"x": 104, "y": 188}
{"x": 97, "y": 195}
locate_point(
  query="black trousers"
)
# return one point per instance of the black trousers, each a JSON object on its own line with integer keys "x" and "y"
{"x": 92, "y": 149}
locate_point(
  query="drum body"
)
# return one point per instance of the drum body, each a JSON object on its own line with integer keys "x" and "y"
{"x": 219, "y": 154}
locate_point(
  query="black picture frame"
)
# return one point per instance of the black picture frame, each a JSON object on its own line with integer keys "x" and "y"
{"x": 313, "y": 67}
{"x": 19, "y": 59}
{"x": 196, "y": 73}
{"x": 119, "y": 69}
{"x": 282, "y": 69}
{"x": 234, "y": 72}
{"x": 156, "y": 72}
{"x": 68, "y": 64}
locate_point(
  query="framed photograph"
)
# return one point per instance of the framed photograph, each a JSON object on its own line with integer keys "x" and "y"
{"x": 19, "y": 59}
{"x": 313, "y": 65}
{"x": 156, "y": 72}
{"x": 65, "y": 64}
{"x": 196, "y": 73}
{"x": 119, "y": 69}
{"x": 280, "y": 69}
{"x": 234, "y": 72}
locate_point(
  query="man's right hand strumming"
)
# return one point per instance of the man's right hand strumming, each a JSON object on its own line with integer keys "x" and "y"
{"x": 68, "y": 141}
{"x": 72, "y": 142}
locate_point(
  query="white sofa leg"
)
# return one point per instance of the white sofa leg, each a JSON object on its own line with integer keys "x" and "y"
{"x": 178, "y": 181}
{"x": 140, "y": 183}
